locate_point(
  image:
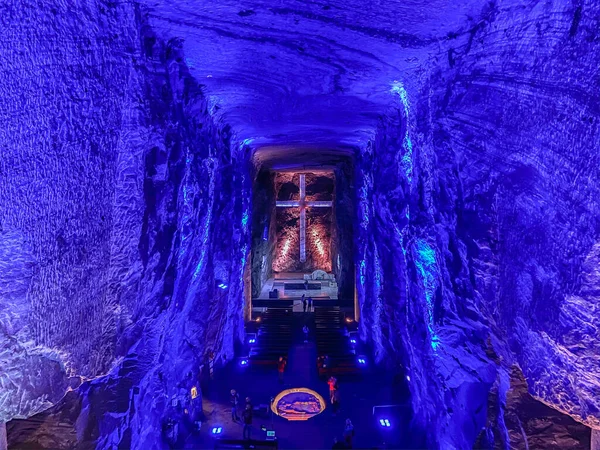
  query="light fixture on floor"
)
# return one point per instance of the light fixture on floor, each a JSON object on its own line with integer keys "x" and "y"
{"x": 216, "y": 430}
{"x": 243, "y": 362}
{"x": 385, "y": 423}
{"x": 362, "y": 360}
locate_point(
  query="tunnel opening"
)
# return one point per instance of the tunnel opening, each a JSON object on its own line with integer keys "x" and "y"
{"x": 303, "y": 209}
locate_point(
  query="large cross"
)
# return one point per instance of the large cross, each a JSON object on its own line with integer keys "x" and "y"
{"x": 303, "y": 204}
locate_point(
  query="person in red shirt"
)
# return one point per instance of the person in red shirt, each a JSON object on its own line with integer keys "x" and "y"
{"x": 281, "y": 368}
{"x": 332, "y": 382}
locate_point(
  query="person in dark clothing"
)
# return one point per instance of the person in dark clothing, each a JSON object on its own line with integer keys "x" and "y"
{"x": 303, "y": 303}
{"x": 234, "y": 400}
{"x": 306, "y": 331}
{"x": 310, "y": 304}
{"x": 349, "y": 433}
{"x": 247, "y": 417}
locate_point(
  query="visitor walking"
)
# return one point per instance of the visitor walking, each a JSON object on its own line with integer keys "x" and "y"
{"x": 335, "y": 401}
{"x": 310, "y": 304}
{"x": 281, "y": 368}
{"x": 234, "y": 400}
{"x": 303, "y": 303}
{"x": 306, "y": 330}
{"x": 332, "y": 382}
{"x": 247, "y": 416}
{"x": 349, "y": 433}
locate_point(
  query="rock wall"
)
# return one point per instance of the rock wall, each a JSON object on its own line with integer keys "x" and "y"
{"x": 264, "y": 228}
{"x": 342, "y": 237}
{"x": 483, "y": 218}
{"x": 71, "y": 194}
{"x": 125, "y": 223}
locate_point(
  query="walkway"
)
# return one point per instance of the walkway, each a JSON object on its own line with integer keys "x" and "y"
{"x": 357, "y": 401}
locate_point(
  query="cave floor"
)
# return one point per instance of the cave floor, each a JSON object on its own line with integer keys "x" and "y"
{"x": 358, "y": 396}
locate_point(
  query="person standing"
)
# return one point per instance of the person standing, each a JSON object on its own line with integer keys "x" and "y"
{"x": 310, "y": 304}
{"x": 335, "y": 401}
{"x": 306, "y": 331}
{"x": 281, "y": 368}
{"x": 247, "y": 416}
{"x": 332, "y": 382}
{"x": 349, "y": 433}
{"x": 303, "y": 303}
{"x": 234, "y": 400}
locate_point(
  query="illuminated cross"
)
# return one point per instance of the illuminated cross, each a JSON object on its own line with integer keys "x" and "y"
{"x": 303, "y": 204}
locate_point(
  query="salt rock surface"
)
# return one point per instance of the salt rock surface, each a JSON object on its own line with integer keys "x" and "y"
{"x": 125, "y": 194}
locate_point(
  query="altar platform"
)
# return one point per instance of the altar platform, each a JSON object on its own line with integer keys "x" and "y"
{"x": 291, "y": 286}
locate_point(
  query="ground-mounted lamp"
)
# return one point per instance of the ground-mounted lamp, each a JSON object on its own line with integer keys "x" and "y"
{"x": 251, "y": 338}
{"x": 385, "y": 423}
{"x": 216, "y": 431}
{"x": 393, "y": 422}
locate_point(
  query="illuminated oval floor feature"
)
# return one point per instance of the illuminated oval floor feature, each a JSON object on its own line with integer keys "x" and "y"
{"x": 298, "y": 404}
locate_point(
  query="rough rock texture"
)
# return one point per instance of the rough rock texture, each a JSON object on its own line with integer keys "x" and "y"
{"x": 264, "y": 229}
{"x": 124, "y": 206}
{"x": 480, "y": 194}
{"x": 535, "y": 425}
{"x": 125, "y": 198}
{"x": 70, "y": 190}
{"x": 342, "y": 238}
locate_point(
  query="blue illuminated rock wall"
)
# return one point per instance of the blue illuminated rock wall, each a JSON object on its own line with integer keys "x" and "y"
{"x": 125, "y": 203}
{"x": 71, "y": 205}
{"x": 478, "y": 222}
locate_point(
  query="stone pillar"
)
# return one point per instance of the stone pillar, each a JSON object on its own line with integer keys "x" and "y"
{"x": 594, "y": 445}
{"x": 3, "y": 441}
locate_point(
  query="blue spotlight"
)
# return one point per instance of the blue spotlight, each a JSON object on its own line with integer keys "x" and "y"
{"x": 353, "y": 341}
{"x": 222, "y": 285}
{"x": 217, "y": 430}
{"x": 362, "y": 361}
{"x": 251, "y": 341}
{"x": 244, "y": 362}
